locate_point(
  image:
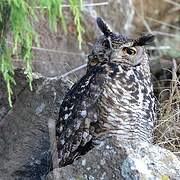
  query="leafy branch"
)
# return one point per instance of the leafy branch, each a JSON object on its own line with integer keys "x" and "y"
{"x": 75, "y": 5}
{"x": 17, "y": 17}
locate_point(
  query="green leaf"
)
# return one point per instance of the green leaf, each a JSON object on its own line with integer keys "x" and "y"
{"x": 22, "y": 15}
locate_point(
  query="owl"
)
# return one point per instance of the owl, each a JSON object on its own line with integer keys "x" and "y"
{"x": 114, "y": 98}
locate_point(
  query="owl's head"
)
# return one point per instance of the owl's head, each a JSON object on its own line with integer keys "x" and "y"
{"x": 100, "y": 53}
{"x": 118, "y": 48}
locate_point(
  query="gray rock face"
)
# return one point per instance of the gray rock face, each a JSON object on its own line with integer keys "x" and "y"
{"x": 147, "y": 161}
{"x": 111, "y": 161}
{"x": 24, "y": 129}
{"x": 104, "y": 162}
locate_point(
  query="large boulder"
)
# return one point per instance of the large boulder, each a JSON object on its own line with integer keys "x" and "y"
{"x": 113, "y": 161}
{"x": 24, "y": 130}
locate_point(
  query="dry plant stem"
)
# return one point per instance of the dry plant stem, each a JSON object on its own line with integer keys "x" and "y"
{"x": 172, "y": 2}
{"x": 53, "y": 50}
{"x": 165, "y": 34}
{"x": 168, "y": 129}
{"x": 173, "y": 86}
{"x": 146, "y": 25}
{"x": 84, "y": 5}
{"x": 163, "y": 23}
{"x": 74, "y": 70}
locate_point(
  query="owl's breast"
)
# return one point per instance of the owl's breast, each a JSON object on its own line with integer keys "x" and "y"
{"x": 126, "y": 105}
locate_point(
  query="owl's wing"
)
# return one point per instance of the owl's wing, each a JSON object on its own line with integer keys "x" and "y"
{"x": 77, "y": 112}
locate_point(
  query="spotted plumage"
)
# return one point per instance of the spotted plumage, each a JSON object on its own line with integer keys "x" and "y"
{"x": 114, "y": 98}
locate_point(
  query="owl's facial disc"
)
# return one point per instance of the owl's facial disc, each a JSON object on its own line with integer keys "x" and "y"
{"x": 128, "y": 55}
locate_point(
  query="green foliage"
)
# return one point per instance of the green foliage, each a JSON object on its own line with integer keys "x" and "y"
{"x": 7, "y": 70}
{"x": 75, "y": 5}
{"x": 23, "y": 32}
{"x": 6, "y": 66}
{"x": 17, "y": 17}
{"x": 54, "y": 10}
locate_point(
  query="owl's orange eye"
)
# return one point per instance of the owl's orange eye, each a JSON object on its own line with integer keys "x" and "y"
{"x": 129, "y": 50}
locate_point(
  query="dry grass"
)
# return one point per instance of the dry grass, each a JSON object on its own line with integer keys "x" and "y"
{"x": 167, "y": 129}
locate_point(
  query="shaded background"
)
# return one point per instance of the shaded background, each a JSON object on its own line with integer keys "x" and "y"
{"x": 59, "y": 52}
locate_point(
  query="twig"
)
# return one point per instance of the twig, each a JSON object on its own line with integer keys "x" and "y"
{"x": 34, "y": 61}
{"x": 67, "y": 74}
{"x": 55, "y": 51}
{"x": 174, "y": 69}
{"x": 68, "y": 67}
{"x": 159, "y": 48}
{"x": 73, "y": 70}
{"x": 172, "y": 2}
{"x": 58, "y": 51}
{"x": 85, "y": 5}
{"x": 141, "y": 16}
{"x": 165, "y": 34}
{"x": 163, "y": 23}
{"x": 175, "y": 9}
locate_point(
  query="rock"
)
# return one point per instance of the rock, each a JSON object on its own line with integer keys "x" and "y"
{"x": 27, "y": 143}
{"x": 25, "y": 148}
{"x": 111, "y": 161}
{"x": 148, "y": 161}
{"x": 103, "y": 162}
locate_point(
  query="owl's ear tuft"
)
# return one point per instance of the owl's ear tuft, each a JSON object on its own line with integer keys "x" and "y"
{"x": 107, "y": 44}
{"x": 144, "y": 40}
{"x": 103, "y": 27}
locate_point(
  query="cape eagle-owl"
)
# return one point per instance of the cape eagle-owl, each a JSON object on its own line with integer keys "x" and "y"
{"x": 114, "y": 98}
